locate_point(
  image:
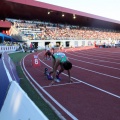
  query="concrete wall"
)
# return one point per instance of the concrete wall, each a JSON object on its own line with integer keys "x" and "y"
{"x": 14, "y": 102}
{"x": 18, "y": 106}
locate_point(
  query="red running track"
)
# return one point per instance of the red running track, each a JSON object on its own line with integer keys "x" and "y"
{"x": 95, "y": 92}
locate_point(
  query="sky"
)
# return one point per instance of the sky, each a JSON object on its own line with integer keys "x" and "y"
{"x": 105, "y": 8}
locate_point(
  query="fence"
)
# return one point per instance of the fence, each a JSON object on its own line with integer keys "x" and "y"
{"x": 8, "y": 48}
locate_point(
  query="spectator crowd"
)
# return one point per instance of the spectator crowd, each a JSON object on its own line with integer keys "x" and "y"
{"x": 37, "y": 30}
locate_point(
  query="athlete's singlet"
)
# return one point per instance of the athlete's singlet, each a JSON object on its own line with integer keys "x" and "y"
{"x": 61, "y": 56}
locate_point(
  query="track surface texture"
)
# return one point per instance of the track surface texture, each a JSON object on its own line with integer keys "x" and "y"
{"x": 95, "y": 91}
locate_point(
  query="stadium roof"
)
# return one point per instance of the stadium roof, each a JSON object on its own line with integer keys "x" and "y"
{"x": 5, "y": 24}
{"x": 34, "y": 10}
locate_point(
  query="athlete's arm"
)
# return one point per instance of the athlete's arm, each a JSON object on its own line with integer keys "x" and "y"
{"x": 57, "y": 63}
{"x": 69, "y": 75}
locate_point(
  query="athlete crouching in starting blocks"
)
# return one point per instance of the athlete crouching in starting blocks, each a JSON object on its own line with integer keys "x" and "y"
{"x": 60, "y": 59}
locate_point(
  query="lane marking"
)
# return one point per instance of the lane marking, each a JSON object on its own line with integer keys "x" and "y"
{"x": 112, "y": 94}
{"x": 97, "y": 72}
{"x": 57, "y": 103}
{"x": 61, "y": 84}
{"x": 94, "y": 59}
{"x": 106, "y": 51}
{"x": 53, "y": 99}
{"x": 94, "y": 54}
{"x": 94, "y": 63}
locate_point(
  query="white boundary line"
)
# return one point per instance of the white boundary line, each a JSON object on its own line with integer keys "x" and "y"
{"x": 88, "y": 83}
{"x": 106, "y": 51}
{"x": 83, "y": 53}
{"x": 61, "y": 84}
{"x": 94, "y": 63}
{"x": 99, "y": 53}
{"x": 65, "y": 110}
{"x": 97, "y": 72}
{"x": 93, "y": 59}
{"x": 55, "y": 101}
{"x": 54, "y": 109}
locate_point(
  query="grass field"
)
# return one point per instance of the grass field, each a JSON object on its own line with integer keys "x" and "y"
{"x": 27, "y": 87}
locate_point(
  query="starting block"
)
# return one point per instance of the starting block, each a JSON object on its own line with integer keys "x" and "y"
{"x": 49, "y": 77}
{"x": 46, "y": 72}
{"x": 57, "y": 76}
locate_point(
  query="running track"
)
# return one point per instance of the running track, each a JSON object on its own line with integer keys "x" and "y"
{"x": 95, "y": 92}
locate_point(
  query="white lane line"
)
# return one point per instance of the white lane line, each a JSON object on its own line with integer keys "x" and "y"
{"x": 98, "y": 54}
{"x": 93, "y": 59}
{"x": 97, "y": 72}
{"x": 55, "y": 101}
{"x": 94, "y": 63}
{"x": 112, "y": 94}
{"x": 106, "y": 51}
{"x": 66, "y": 111}
{"x": 61, "y": 84}
{"x": 83, "y": 53}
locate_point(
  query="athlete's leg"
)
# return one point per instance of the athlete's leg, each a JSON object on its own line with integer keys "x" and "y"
{"x": 61, "y": 69}
{"x": 53, "y": 64}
